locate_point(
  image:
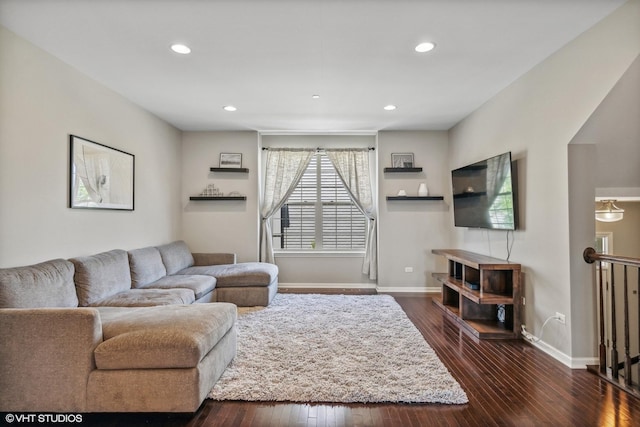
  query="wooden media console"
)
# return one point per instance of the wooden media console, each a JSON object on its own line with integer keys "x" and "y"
{"x": 481, "y": 293}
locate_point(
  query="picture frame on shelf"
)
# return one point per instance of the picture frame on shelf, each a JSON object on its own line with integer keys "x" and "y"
{"x": 402, "y": 160}
{"x": 231, "y": 160}
{"x": 100, "y": 177}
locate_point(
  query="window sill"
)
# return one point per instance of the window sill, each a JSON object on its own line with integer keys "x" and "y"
{"x": 319, "y": 254}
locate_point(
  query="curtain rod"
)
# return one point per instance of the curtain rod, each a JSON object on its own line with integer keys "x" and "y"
{"x": 317, "y": 148}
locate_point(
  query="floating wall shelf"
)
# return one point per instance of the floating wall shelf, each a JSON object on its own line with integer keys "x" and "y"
{"x": 470, "y": 194}
{"x": 401, "y": 198}
{"x": 403, "y": 170}
{"x": 218, "y": 198}
{"x": 241, "y": 170}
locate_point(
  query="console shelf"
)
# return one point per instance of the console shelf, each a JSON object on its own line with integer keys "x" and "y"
{"x": 481, "y": 294}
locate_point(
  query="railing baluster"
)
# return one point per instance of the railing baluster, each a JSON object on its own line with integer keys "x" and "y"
{"x": 627, "y": 344}
{"x": 609, "y": 334}
{"x": 614, "y": 332}
{"x": 603, "y": 332}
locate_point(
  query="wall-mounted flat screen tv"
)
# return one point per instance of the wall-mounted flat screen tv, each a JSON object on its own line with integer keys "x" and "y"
{"x": 484, "y": 194}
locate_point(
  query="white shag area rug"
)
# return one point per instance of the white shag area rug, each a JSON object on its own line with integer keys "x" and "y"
{"x": 334, "y": 348}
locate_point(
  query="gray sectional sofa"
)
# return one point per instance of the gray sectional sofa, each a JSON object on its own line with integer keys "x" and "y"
{"x": 171, "y": 274}
{"x": 148, "y": 330}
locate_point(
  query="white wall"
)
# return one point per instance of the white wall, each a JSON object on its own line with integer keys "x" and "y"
{"x": 614, "y": 128}
{"x": 42, "y": 101}
{"x": 535, "y": 118}
{"x": 603, "y": 160}
{"x": 582, "y": 184}
{"x": 220, "y": 226}
{"x": 409, "y": 230}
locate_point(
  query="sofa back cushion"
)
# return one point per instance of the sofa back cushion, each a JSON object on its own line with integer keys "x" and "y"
{"x": 146, "y": 266}
{"x": 48, "y": 284}
{"x": 101, "y": 275}
{"x": 176, "y": 256}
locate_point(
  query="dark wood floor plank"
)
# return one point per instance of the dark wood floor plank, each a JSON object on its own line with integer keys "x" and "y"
{"x": 262, "y": 417}
{"x": 509, "y": 383}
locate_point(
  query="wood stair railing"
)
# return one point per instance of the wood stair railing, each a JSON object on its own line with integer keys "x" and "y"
{"x": 612, "y": 368}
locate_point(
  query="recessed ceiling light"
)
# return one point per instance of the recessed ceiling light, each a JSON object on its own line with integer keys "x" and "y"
{"x": 315, "y": 96}
{"x": 390, "y": 107}
{"x": 425, "y": 47}
{"x": 180, "y": 48}
{"x": 229, "y": 108}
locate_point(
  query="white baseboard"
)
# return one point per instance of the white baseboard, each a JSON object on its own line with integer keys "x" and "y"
{"x": 328, "y": 285}
{"x": 381, "y": 289}
{"x": 573, "y": 363}
{"x": 412, "y": 289}
{"x": 583, "y": 362}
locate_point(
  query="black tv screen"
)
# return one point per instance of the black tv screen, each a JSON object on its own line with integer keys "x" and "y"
{"x": 484, "y": 194}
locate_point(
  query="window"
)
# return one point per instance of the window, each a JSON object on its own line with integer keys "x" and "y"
{"x": 319, "y": 215}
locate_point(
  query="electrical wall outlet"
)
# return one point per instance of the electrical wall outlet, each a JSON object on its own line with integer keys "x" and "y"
{"x": 560, "y": 318}
{"x": 408, "y": 269}
{"x": 524, "y": 302}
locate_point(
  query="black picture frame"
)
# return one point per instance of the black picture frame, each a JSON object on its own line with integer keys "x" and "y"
{"x": 100, "y": 177}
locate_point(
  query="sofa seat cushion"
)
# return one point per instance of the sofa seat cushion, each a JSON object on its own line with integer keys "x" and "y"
{"x": 241, "y": 274}
{"x": 177, "y": 336}
{"x": 47, "y": 284}
{"x": 146, "y": 266}
{"x": 200, "y": 285}
{"x": 147, "y": 298}
{"x": 100, "y": 276}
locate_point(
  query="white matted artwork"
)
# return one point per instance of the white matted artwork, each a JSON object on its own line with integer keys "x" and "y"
{"x": 402, "y": 160}
{"x": 230, "y": 160}
{"x": 100, "y": 177}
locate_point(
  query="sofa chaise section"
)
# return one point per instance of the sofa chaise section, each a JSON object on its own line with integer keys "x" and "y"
{"x": 244, "y": 284}
{"x": 161, "y": 359}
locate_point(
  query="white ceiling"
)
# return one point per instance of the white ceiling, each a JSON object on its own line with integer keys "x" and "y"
{"x": 268, "y": 58}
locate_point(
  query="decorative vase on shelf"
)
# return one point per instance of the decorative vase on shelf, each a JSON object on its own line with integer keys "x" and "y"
{"x": 423, "y": 191}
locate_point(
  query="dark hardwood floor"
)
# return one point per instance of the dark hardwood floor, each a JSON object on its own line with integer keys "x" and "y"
{"x": 509, "y": 383}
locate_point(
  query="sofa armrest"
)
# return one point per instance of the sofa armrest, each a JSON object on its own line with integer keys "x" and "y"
{"x": 214, "y": 259}
{"x": 46, "y": 357}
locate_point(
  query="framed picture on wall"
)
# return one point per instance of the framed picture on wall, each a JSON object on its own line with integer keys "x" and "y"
{"x": 230, "y": 160}
{"x": 402, "y": 160}
{"x": 100, "y": 177}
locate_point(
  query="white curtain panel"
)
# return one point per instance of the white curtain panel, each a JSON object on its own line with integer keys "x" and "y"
{"x": 285, "y": 167}
{"x": 352, "y": 166}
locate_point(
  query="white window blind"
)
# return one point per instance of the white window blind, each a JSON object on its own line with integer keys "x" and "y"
{"x": 319, "y": 215}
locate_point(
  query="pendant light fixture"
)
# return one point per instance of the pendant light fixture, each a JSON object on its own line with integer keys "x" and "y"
{"x": 607, "y": 211}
